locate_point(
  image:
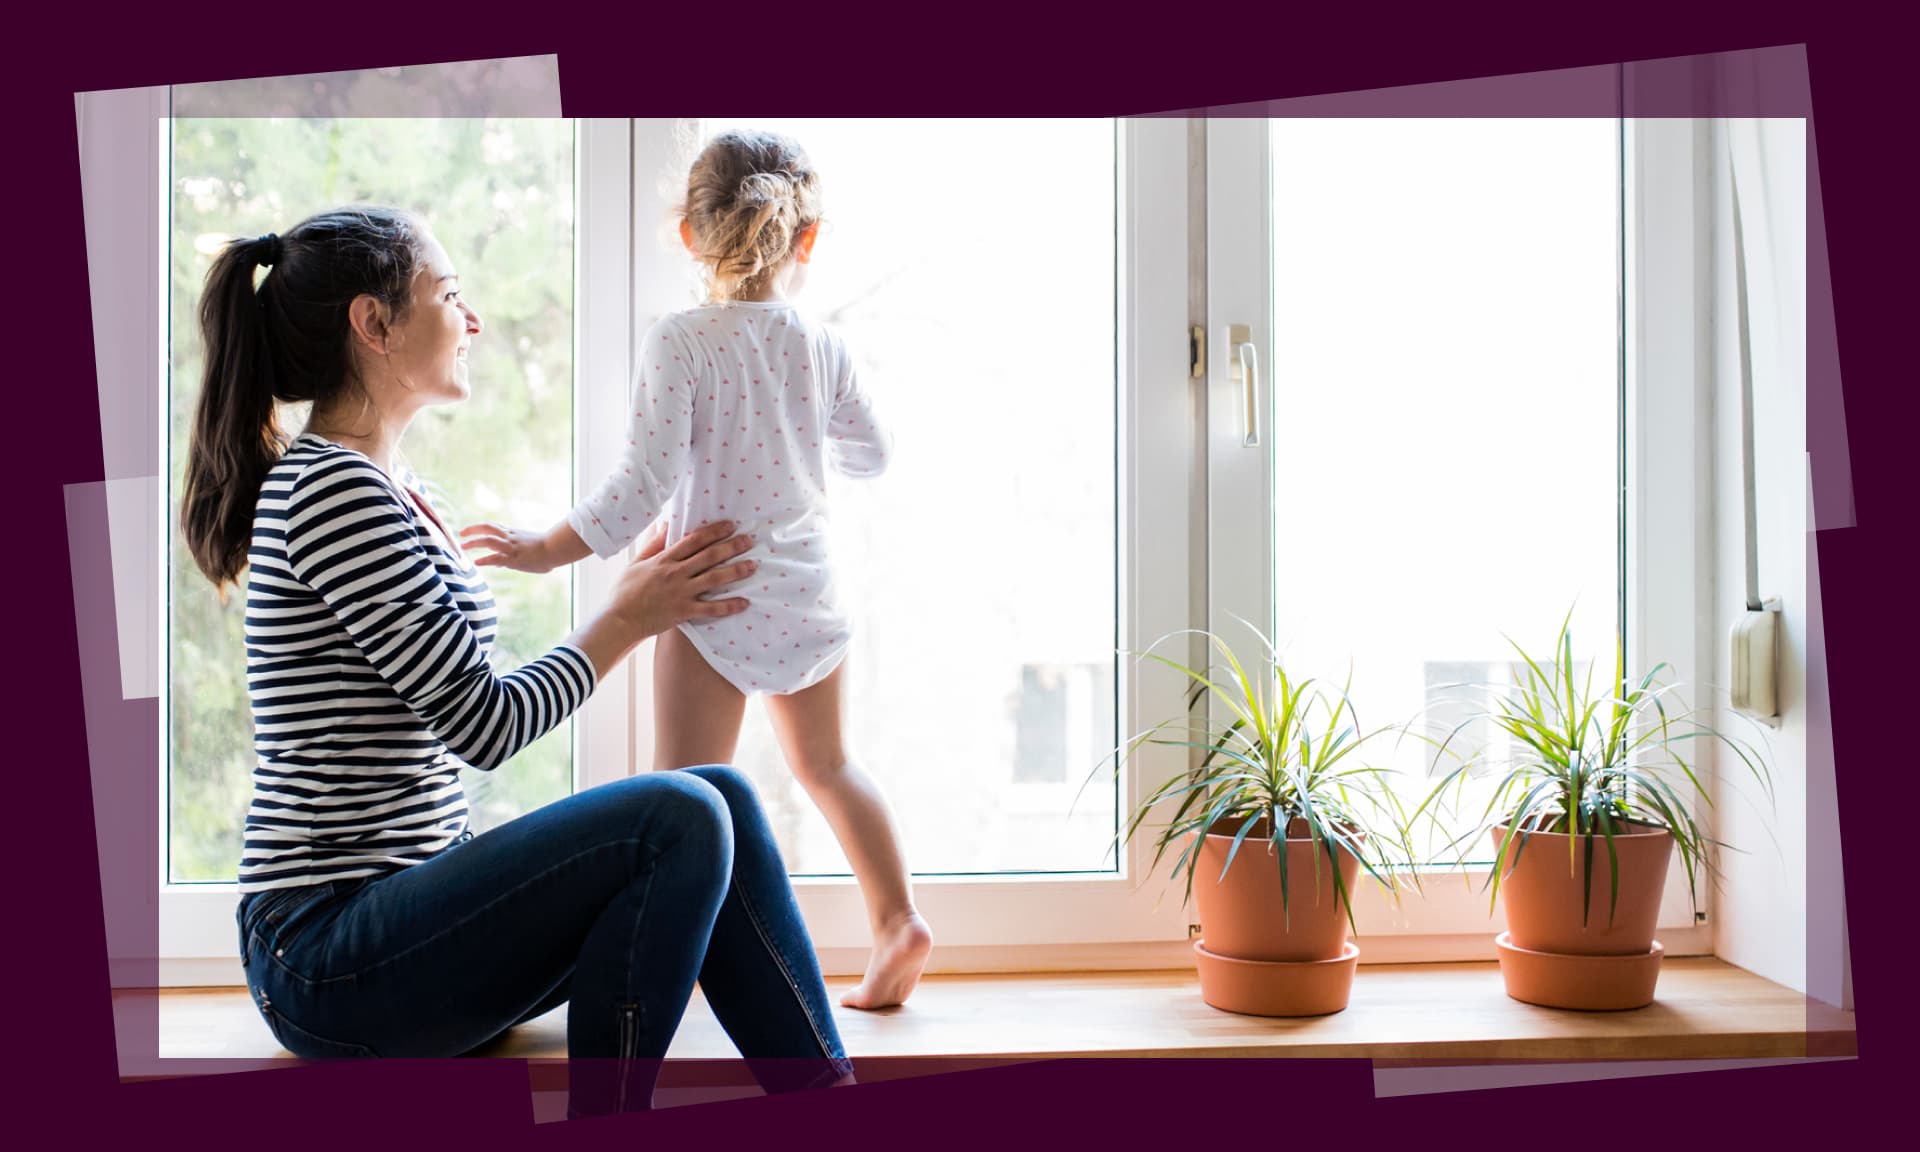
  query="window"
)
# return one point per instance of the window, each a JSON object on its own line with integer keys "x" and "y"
{"x": 983, "y": 324}
{"x": 1019, "y": 537}
{"x": 1443, "y": 401}
{"x": 1445, "y": 292}
{"x": 1430, "y": 299}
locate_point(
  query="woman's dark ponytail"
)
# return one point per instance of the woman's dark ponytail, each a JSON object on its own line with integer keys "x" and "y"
{"x": 236, "y": 434}
{"x": 287, "y": 341}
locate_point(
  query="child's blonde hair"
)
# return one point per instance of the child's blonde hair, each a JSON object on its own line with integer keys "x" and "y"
{"x": 748, "y": 195}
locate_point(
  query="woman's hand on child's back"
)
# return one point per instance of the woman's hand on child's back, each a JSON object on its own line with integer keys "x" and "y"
{"x": 665, "y": 586}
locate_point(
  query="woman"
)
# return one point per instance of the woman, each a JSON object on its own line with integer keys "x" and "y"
{"x": 372, "y": 922}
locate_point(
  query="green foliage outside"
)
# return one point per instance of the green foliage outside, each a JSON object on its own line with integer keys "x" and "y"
{"x": 499, "y": 195}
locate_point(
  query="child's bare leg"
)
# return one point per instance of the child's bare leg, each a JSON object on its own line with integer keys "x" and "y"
{"x": 808, "y": 726}
{"x": 696, "y": 712}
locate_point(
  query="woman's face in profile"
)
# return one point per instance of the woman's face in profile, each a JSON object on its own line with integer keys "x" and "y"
{"x": 428, "y": 351}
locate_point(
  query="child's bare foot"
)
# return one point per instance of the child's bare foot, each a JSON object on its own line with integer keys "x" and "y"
{"x": 899, "y": 953}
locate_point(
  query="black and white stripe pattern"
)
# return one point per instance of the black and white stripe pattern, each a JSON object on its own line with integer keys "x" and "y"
{"x": 368, "y": 671}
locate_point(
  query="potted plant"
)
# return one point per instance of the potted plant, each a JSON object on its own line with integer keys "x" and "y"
{"x": 1273, "y": 828}
{"x": 1588, "y": 791}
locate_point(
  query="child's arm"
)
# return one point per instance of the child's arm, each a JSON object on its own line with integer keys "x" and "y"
{"x": 659, "y": 440}
{"x": 857, "y": 443}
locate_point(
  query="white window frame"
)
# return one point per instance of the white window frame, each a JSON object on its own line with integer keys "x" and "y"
{"x": 1131, "y": 918}
{"x": 1665, "y": 272}
{"x": 198, "y": 941}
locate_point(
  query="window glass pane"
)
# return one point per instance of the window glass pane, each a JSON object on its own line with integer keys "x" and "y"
{"x": 1446, "y": 382}
{"x": 969, "y": 265}
{"x": 499, "y": 195}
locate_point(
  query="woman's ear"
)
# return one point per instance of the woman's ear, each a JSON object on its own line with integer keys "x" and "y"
{"x": 686, "y": 236}
{"x": 369, "y": 319}
{"x": 803, "y": 242}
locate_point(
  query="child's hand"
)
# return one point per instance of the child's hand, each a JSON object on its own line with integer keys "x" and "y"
{"x": 512, "y": 548}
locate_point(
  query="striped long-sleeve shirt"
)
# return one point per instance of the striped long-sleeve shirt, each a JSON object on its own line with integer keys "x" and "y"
{"x": 368, "y": 669}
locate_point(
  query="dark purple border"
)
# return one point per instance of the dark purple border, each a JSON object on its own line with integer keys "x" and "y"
{"x": 969, "y": 61}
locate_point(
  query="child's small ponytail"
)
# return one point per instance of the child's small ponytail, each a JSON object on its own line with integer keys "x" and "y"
{"x": 748, "y": 196}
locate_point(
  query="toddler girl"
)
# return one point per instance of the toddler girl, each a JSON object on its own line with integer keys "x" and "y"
{"x": 742, "y": 405}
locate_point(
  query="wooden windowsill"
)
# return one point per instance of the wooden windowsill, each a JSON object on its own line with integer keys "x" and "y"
{"x": 1707, "y": 1009}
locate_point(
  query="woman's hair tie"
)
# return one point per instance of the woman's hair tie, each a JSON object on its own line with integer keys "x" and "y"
{"x": 267, "y": 250}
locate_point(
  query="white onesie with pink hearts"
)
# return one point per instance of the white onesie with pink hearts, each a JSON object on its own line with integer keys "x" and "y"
{"x": 739, "y": 410}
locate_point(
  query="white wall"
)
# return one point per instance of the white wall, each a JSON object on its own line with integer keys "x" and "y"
{"x": 1765, "y": 913}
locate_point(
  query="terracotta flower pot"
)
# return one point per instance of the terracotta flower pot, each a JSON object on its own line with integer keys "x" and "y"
{"x": 1544, "y": 897}
{"x": 1241, "y": 916}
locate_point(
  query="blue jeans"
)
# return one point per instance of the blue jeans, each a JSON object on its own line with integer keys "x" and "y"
{"x": 613, "y": 901}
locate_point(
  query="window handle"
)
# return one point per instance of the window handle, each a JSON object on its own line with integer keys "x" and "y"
{"x": 1246, "y": 367}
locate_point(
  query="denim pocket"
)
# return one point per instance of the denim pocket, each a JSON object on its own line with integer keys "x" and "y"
{"x": 279, "y": 916}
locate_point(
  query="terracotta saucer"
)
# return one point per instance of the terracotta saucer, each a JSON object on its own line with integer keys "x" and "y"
{"x": 1276, "y": 987}
{"x": 1589, "y": 983}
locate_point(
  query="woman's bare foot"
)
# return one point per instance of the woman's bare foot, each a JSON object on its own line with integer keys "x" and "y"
{"x": 899, "y": 953}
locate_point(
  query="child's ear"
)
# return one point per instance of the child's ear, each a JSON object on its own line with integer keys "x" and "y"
{"x": 803, "y": 242}
{"x": 686, "y": 235}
